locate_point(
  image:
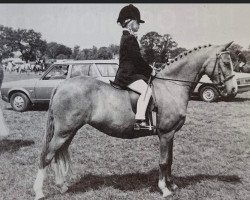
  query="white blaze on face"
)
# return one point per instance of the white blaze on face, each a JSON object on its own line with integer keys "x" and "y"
{"x": 227, "y": 65}
{"x": 234, "y": 81}
{"x": 230, "y": 84}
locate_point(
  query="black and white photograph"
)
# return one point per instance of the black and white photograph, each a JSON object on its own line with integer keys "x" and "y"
{"x": 124, "y": 101}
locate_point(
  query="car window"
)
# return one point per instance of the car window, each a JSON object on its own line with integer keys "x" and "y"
{"x": 107, "y": 69}
{"x": 83, "y": 70}
{"x": 92, "y": 71}
{"x": 58, "y": 72}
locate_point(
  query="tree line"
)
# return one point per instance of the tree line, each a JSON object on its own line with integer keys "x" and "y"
{"x": 32, "y": 47}
{"x": 154, "y": 47}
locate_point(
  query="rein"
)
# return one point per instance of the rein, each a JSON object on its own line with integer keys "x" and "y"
{"x": 185, "y": 81}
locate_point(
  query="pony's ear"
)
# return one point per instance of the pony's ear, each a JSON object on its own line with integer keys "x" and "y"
{"x": 225, "y": 46}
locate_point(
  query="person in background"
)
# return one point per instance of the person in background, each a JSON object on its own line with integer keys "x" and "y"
{"x": 133, "y": 71}
{"x": 241, "y": 60}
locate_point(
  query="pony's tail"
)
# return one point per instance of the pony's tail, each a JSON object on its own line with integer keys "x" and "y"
{"x": 48, "y": 134}
{"x": 54, "y": 154}
{"x": 50, "y": 120}
{"x": 61, "y": 164}
{"x": 60, "y": 159}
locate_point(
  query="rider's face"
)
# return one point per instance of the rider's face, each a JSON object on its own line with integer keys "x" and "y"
{"x": 135, "y": 26}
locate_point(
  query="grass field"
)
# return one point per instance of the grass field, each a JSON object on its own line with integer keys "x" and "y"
{"x": 211, "y": 157}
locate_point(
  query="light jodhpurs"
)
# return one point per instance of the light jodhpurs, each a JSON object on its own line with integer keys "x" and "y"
{"x": 141, "y": 87}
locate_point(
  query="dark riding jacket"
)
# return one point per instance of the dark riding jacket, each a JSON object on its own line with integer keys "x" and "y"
{"x": 132, "y": 66}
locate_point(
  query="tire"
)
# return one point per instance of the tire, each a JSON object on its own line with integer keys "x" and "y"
{"x": 19, "y": 102}
{"x": 209, "y": 94}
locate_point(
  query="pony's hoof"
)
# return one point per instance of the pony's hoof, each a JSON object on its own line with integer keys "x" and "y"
{"x": 173, "y": 187}
{"x": 64, "y": 189}
{"x": 40, "y": 197}
{"x": 166, "y": 193}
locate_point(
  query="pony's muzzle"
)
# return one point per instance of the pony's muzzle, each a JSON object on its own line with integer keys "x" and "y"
{"x": 234, "y": 91}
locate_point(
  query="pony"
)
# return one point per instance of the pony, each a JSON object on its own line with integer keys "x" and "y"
{"x": 84, "y": 100}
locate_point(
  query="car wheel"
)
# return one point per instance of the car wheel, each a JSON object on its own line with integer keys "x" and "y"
{"x": 19, "y": 102}
{"x": 209, "y": 94}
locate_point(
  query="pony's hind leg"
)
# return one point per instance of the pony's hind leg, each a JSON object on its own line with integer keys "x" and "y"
{"x": 38, "y": 185}
{"x": 41, "y": 174}
{"x": 53, "y": 149}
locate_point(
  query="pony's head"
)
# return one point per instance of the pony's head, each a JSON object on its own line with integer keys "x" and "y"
{"x": 219, "y": 68}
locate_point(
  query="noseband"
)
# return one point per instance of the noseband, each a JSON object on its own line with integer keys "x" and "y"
{"x": 220, "y": 71}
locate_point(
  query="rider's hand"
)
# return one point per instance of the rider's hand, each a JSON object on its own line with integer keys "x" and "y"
{"x": 153, "y": 73}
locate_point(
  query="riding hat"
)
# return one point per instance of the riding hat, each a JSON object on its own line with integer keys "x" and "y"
{"x": 129, "y": 12}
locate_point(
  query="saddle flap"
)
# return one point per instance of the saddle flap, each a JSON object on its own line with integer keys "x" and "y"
{"x": 134, "y": 96}
{"x": 133, "y": 99}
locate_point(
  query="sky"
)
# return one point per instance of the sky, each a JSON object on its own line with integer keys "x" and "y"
{"x": 190, "y": 25}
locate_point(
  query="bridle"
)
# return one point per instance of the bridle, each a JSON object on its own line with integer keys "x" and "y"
{"x": 220, "y": 71}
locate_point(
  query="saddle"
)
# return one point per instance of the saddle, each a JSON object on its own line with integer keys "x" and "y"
{"x": 152, "y": 110}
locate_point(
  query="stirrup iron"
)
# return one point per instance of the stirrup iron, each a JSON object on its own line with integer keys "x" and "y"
{"x": 138, "y": 127}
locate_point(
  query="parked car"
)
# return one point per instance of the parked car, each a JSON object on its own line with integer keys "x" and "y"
{"x": 21, "y": 94}
{"x": 210, "y": 93}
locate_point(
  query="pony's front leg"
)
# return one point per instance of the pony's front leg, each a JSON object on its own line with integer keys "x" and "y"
{"x": 166, "y": 183}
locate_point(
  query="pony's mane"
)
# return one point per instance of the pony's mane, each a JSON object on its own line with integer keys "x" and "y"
{"x": 185, "y": 53}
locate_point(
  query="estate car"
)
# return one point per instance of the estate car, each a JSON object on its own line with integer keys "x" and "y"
{"x": 21, "y": 94}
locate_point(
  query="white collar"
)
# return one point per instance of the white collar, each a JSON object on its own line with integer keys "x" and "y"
{"x": 131, "y": 32}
